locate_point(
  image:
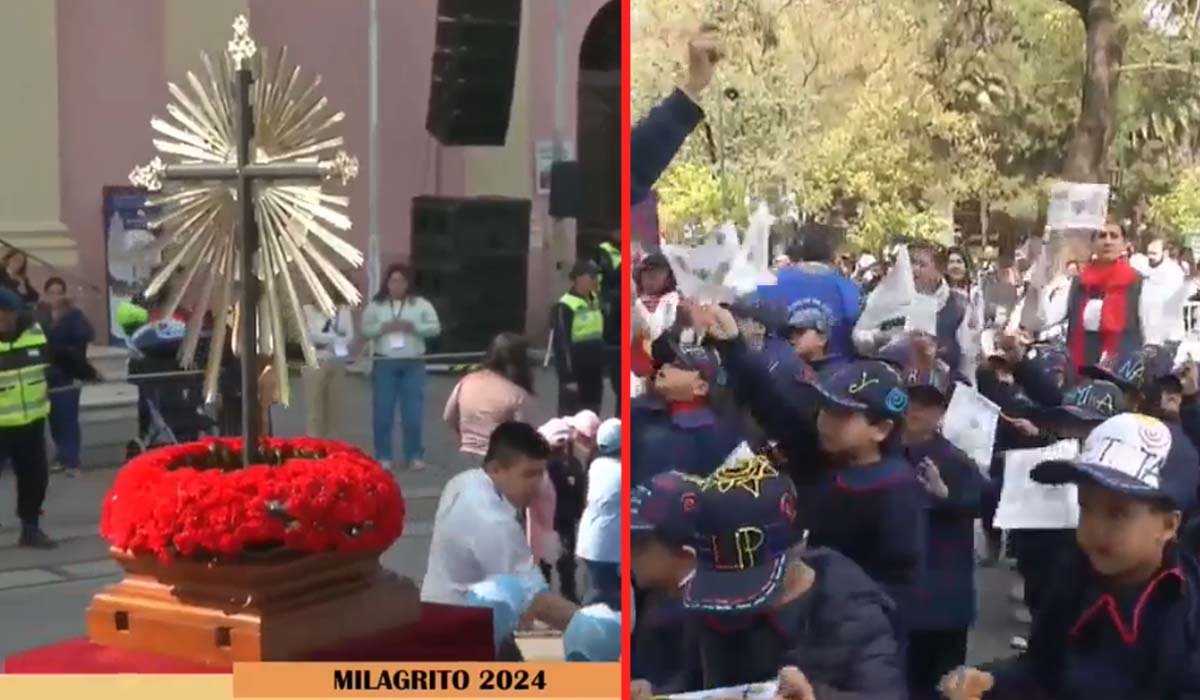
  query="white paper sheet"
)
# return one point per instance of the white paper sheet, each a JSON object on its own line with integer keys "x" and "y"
{"x": 1028, "y": 505}
{"x": 340, "y": 349}
{"x": 893, "y": 296}
{"x": 395, "y": 341}
{"x": 700, "y": 271}
{"x": 750, "y": 691}
{"x": 970, "y": 424}
{"x": 1075, "y": 205}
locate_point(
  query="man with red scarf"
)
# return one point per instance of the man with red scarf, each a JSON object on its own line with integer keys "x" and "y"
{"x": 1105, "y": 312}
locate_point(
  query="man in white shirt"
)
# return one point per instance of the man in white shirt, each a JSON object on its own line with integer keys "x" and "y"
{"x": 332, "y": 338}
{"x": 476, "y": 532}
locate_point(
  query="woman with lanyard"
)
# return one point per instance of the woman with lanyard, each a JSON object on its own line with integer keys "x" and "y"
{"x": 398, "y": 323}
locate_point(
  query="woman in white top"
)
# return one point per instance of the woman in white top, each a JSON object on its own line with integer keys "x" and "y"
{"x": 332, "y": 338}
{"x": 398, "y": 323}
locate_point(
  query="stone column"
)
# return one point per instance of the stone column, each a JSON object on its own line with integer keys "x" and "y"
{"x": 30, "y": 215}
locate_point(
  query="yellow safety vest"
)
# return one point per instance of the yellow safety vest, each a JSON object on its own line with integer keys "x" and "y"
{"x": 588, "y": 323}
{"x": 23, "y": 363}
{"x": 613, "y": 253}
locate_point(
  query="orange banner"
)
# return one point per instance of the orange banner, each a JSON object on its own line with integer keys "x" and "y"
{"x": 562, "y": 681}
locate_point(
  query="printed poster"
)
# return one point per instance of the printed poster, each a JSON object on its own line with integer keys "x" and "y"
{"x": 700, "y": 271}
{"x": 545, "y": 154}
{"x": 970, "y": 424}
{"x": 129, "y": 248}
{"x": 1028, "y": 505}
{"x": 1075, "y": 205}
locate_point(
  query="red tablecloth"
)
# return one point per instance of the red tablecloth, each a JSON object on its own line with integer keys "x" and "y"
{"x": 444, "y": 633}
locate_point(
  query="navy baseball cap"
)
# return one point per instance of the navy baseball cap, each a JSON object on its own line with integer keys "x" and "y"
{"x": 1125, "y": 369}
{"x": 809, "y": 314}
{"x": 744, "y": 532}
{"x": 665, "y": 507}
{"x": 864, "y": 385}
{"x": 699, "y": 359}
{"x": 903, "y": 353}
{"x": 1131, "y": 454}
{"x": 1094, "y": 401}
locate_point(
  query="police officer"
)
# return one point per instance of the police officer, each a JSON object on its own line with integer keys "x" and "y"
{"x": 609, "y": 261}
{"x": 24, "y": 406}
{"x": 579, "y": 346}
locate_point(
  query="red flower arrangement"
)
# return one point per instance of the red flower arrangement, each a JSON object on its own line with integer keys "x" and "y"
{"x": 197, "y": 501}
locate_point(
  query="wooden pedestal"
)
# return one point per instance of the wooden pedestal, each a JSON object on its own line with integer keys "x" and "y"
{"x": 278, "y": 610}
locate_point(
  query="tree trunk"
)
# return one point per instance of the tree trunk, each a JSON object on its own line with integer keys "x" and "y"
{"x": 1087, "y": 153}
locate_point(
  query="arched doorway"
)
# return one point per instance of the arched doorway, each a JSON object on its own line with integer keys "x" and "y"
{"x": 598, "y": 130}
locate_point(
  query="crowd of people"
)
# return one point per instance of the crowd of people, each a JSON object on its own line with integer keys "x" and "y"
{"x": 801, "y": 516}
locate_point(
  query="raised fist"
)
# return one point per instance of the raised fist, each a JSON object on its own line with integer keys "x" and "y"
{"x": 703, "y": 53}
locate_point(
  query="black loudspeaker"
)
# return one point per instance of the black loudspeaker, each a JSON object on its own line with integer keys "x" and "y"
{"x": 474, "y": 68}
{"x": 564, "y": 190}
{"x": 470, "y": 258}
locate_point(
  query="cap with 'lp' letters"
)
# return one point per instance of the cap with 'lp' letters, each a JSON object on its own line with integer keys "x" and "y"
{"x": 745, "y": 527}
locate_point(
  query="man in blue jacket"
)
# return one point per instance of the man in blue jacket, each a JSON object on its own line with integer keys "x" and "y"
{"x": 758, "y": 605}
{"x": 655, "y": 140}
{"x": 816, "y": 279}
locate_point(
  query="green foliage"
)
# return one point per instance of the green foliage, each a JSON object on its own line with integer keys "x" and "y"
{"x": 1177, "y": 211}
{"x": 876, "y": 111}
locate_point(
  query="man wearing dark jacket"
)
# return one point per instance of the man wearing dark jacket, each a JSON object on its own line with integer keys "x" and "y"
{"x": 608, "y": 259}
{"x": 655, "y": 140}
{"x": 579, "y": 352}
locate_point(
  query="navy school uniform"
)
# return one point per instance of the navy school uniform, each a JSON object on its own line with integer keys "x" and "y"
{"x": 1089, "y": 643}
{"x": 945, "y": 602}
{"x": 874, "y": 514}
{"x": 838, "y": 633}
{"x": 694, "y": 439}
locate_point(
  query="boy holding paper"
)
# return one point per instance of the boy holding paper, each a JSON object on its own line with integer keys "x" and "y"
{"x": 1120, "y": 618}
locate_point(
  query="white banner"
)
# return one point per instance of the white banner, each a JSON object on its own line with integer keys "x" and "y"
{"x": 1028, "y": 505}
{"x": 970, "y": 424}
{"x": 700, "y": 271}
{"x": 1076, "y": 205}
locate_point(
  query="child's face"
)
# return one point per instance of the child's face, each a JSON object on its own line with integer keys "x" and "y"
{"x": 849, "y": 433}
{"x": 924, "y": 415}
{"x": 678, "y": 385}
{"x": 658, "y": 567}
{"x": 809, "y": 344}
{"x": 654, "y": 281}
{"x": 1122, "y": 537}
{"x": 1171, "y": 402}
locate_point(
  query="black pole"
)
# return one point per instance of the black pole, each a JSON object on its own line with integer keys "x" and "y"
{"x": 248, "y": 340}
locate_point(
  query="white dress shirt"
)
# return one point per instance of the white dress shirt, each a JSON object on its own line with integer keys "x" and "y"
{"x": 599, "y": 537}
{"x": 475, "y": 536}
{"x": 331, "y": 337}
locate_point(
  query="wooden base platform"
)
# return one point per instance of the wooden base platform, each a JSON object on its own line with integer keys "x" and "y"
{"x": 279, "y": 610}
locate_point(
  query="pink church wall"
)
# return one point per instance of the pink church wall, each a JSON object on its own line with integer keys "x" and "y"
{"x": 110, "y": 80}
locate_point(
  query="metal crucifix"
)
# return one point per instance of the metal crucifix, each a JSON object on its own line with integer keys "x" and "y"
{"x": 246, "y": 203}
